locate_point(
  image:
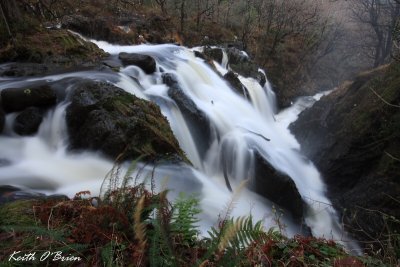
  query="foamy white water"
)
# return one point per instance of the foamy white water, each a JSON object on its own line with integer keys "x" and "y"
{"x": 42, "y": 162}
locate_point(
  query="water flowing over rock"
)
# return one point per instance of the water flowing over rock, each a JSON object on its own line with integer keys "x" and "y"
{"x": 106, "y": 118}
{"x": 277, "y": 187}
{"x": 234, "y": 81}
{"x": 146, "y": 63}
{"x": 227, "y": 138}
{"x": 28, "y": 121}
{"x": 17, "y": 99}
{"x": 198, "y": 121}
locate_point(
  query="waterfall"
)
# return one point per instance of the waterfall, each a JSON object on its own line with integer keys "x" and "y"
{"x": 237, "y": 128}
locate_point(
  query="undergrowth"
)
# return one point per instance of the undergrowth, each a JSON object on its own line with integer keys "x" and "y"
{"x": 135, "y": 226}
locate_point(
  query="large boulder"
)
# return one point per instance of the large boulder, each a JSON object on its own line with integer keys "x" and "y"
{"x": 105, "y": 118}
{"x": 353, "y": 137}
{"x": 198, "y": 122}
{"x": 146, "y": 63}
{"x": 17, "y": 99}
{"x": 28, "y": 121}
{"x": 277, "y": 187}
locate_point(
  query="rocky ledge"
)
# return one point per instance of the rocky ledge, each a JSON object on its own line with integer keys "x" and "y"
{"x": 353, "y": 137}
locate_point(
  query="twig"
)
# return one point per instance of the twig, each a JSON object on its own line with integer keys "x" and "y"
{"x": 381, "y": 98}
{"x": 391, "y": 156}
{"x": 5, "y": 20}
{"x": 260, "y": 135}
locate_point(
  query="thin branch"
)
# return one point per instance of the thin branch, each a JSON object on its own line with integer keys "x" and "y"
{"x": 381, "y": 98}
{"x": 391, "y": 156}
{"x": 5, "y": 20}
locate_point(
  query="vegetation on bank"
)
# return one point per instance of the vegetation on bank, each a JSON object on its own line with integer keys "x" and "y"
{"x": 135, "y": 226}
{"x": 300, "y": 43}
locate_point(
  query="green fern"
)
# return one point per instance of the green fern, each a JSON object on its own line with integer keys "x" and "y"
{"x": 243, "y": 232}
{"x": 228, "y": 243}
{"x": 184, "y": 218}
{"x": 161, "y": 252}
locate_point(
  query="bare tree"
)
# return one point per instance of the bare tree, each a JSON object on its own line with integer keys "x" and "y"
{"x": 379, "y": 18}
{"x": 162, "y": 4}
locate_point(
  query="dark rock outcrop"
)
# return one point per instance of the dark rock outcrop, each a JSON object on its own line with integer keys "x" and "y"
{"x": 10, "y": 193}
{"x": 353, "y": 137}
{"x": 146, "y": 63}
{"x": 105, "y": 118}
{"x": 28, "y": 121}
{"x": 242, "y": 64}
{"x": 198, "y": 121}
{"x": 235, "y": 56}
{"x": 17, "y": 99}
{"x": 234, "y": 81}
{"x": 23, "y": 69}
{"x": 2, "y": 118}
{"x": 214, "y": 53}
{"x": 277, "y": 187}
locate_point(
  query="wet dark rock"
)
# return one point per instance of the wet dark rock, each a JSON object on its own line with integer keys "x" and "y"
{"x": 28, "y": 121}
{"x": 2, "y": 118}
{"x": 199, "y": 55}
{"x": 249, "y": 69}
{"x": 17, "y": 99}
{"x": 242, "y": 64}
{"x": 146, "y": 63}
{"x": 214, "y": 53}
{"x": 234, "y": 81}
{"x": 353, "y": 138}
{"x": 236, "y": 56}
{"x": 113, "y": 64}
{"x": 105, "y": 118}
{"x": 197, "y": 120}
{"x": 10, "y": 193}
{"x": 277, "y": 187}
{"x": 23, "y": 69}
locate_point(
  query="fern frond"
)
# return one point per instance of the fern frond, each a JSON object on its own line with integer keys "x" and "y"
{"x": 240, "y": 233}
{"x": 231, "y": 204}
{"x": 184, "y": 218}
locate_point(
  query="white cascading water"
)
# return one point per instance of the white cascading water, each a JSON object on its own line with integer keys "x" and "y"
{"x": 43, "y": 163}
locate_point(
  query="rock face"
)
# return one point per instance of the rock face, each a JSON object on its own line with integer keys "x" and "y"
{"x": 197, "y": 120}
{"x": 28, "y": 121}
{"x": 353, "y": 137}
{"x": 146, "y": 63}
{"x": 17, "y": 99}
{"x": 234, "y": 81}
{"x": 277, "y": 187}
{"x": 105, "y": 118}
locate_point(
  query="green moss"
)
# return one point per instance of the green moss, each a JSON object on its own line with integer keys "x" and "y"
{"x": 18, "y": 213}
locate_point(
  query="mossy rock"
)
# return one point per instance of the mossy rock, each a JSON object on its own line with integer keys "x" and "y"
{"x": 46, "y": 46}
{"x": 105, "y": 118}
